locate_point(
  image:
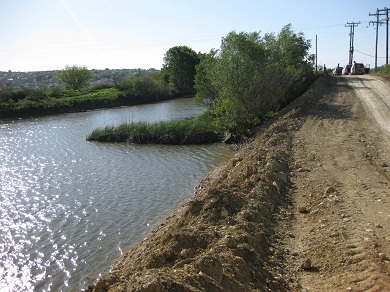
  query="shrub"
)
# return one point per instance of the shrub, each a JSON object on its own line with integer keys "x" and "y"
{"x": 103, "y": 85}
{"x": 147, "y": 86}
{"x": 124, "y": 84}
{"x": 75, "y": 77}
{"x": 386, "y": 70}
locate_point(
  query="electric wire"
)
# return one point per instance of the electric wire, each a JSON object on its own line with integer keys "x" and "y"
{"x": 369, "y": 55}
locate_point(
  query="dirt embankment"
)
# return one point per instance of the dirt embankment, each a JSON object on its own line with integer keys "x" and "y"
{"x": 303, "y": 207}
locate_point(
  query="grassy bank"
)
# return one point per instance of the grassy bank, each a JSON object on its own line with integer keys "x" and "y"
{"x": 189, "y": 131}
{"x": 24, "y": 103}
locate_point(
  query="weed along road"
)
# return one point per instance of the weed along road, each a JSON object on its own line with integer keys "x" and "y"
{"x": 303, "y": 207}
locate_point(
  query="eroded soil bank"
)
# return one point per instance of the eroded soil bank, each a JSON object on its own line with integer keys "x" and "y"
{"x": 303, "y": 206}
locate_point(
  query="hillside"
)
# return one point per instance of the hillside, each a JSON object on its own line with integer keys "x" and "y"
{"x": 49, "y": 79}
{"x": 302, "y": 207}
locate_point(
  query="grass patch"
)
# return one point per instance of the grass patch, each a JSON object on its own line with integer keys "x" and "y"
{"x": 385, "y": 71}
{"x": 68, "y": 99}
{"x": 29, "y": 102}
{"x": 197, "y": 130}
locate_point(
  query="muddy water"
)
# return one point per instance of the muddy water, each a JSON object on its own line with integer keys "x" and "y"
{"x": 69, "y": 208}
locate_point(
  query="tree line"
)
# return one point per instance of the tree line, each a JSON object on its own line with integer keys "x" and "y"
{"x": 75, "y": 94}
{"x": 247, "y": 78}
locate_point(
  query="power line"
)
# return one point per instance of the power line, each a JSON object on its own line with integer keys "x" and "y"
{"x": 369, "y": 55}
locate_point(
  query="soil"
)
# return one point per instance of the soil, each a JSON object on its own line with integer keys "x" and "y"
{"x": 303, "y": 207}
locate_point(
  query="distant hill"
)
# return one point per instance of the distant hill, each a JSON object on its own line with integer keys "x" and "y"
{"x": 48, "y": 79}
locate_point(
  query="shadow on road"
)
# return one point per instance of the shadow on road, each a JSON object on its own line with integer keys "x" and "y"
{"x": 329, "y": 88}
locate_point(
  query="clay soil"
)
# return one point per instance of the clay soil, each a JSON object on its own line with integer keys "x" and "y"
{"x": 305, "y": 206}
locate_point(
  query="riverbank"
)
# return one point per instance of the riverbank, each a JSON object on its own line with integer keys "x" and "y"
{"x": 36, "y": 103}
{"x": 222, "y": 239}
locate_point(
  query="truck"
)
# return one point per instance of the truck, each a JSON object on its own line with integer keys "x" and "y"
{"x": 358, "y": 70}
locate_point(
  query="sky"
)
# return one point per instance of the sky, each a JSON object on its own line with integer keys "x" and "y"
{"x": 40, "y": 35}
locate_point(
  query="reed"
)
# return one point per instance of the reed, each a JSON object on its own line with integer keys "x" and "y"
{"x": 187, "y": 131}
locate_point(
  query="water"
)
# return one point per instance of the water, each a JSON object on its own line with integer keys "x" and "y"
{"x": 69, "y": 208}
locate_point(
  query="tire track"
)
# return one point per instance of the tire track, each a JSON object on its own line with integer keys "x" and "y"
{"x": 344, "y": 223}
{"x": 374, "y": 95}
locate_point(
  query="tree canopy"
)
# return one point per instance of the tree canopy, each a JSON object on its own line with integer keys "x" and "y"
{"x": 251, "y": 75}
{"x": 288, "y": 48}
{"x": 75, "y": 77}
{"x": 179, "y": 66}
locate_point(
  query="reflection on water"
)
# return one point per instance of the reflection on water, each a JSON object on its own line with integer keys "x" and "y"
{"x": 68, "y": 207}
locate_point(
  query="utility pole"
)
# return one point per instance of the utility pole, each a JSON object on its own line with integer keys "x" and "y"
{"x": 351, "y": 36}
{"x": 386, "y": 12}
{"x": 316, "y": 54}
{"x": 377, "y": 22}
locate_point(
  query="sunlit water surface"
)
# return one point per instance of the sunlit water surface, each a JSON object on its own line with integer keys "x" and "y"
{"x": 69, "y": 208}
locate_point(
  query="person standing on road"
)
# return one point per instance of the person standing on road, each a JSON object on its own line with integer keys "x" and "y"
{"x": 337, "y": 70}
{"x": 353, "y": 69}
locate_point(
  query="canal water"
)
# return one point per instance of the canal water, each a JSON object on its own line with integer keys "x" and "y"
{"x": 69, "y": 208}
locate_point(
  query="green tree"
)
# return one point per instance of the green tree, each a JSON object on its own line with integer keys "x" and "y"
{"x": 179, "y": 66}
{"x": 288, "y": 48}
{"x": 242, "y": 56}
{"x": 294, "y": 47}
{"x": 250, "y": 76}
{"x": 75, "y": 77}
{"x": 206, "y": 91}
{"x": 225, "y": 77}
{"x": 147, "y": 86}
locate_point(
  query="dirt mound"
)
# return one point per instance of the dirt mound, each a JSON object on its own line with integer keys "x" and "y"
{"x": 290, "y": 211}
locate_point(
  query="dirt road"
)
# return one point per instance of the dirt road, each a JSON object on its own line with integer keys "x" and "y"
{"x": 304, "y": 207}
{"x": 339, "y": 218}
{"x": 375, "y": 95}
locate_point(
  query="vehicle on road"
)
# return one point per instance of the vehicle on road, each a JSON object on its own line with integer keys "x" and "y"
{"x": 355, "y": 69}
{"x": 359, "y": 69}
{"x": 338, "y": 71}
{"x": 347, "y": 69}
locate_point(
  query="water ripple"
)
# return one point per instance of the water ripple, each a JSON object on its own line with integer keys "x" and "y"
{"x": 68, "y": 208}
